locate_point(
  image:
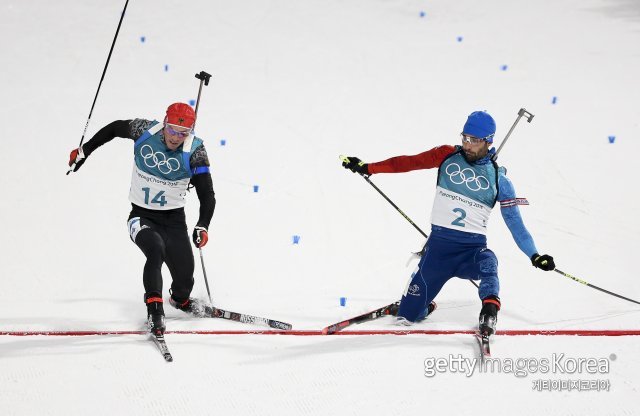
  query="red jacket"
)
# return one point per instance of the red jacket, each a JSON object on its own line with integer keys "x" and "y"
{"x": 425, "y": 160}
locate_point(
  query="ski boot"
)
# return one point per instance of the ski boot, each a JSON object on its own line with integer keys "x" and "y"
{"x": 192, "y": 306}
{"x": 489, "y": 315}
{"x": 432, "y": 307}
{"x": 393, "y": 309}
{"x": 400, "y": 320}
{"x": 155, "y": 315}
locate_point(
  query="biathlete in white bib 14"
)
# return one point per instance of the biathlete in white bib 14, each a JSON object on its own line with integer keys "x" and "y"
{"x": 468, "y": 186}
{"x": 167, "y": 158}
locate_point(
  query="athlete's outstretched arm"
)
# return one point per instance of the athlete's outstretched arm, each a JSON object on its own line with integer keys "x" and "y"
{"x": 426, "y": 160}
{"x": 511, "y": 215}
{"x": 118, "y": 128}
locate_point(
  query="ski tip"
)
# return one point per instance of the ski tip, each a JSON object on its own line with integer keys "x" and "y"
{"x": 329, "y": 330}
{"x": 280, "y": 325}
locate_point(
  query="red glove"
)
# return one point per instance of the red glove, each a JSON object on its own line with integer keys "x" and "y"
{"x": 77, "y": 156}
{"x": 200, "y": 236}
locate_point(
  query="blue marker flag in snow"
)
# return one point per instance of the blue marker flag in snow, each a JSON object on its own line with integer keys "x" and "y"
{"x": 504, "y": 67}
{"x": 612, "y": 139}
{"x": 422, "y": 14}
{"x": 554, "y": 100}
{"x": 459, "y": 38}
{"x": 142, "y": 39}
{"x": 343, "y": 301}
{"x": 166, "y": 68}
{"x": 223, "y": 142}
{"x": 296, "y": 239}
{"x": 192, "y": 102}
{"x": 255, "y": 188}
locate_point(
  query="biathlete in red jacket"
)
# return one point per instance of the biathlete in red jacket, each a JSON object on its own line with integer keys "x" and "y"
{"x": 468, "y": 186}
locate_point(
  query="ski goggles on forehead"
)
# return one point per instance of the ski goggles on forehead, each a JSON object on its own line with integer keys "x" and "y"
{"x": 172, "y": 131}
{"x": 475, "y": 140}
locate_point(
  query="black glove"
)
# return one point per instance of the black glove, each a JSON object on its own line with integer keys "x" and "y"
{"x": 200, "y": 236}
{"x": 355, "y": 165}
{"x": 77, "y": 156}
{"x": 544, "y": 262}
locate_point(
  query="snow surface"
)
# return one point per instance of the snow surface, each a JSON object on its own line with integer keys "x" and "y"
{"x": 295, "y": 84}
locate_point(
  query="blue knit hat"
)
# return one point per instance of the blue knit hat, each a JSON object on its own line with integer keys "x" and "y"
{"x": 481, "y": 125}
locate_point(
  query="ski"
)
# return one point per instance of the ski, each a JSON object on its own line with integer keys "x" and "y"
{"x": 214, "y": 312}
{"x": 201, "y": 309}
{"x": 483, "y": 343}
{"x": 390, "y": 309}
{"x": 158, "y": 339}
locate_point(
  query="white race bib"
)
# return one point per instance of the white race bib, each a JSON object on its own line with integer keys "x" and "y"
{"x": 151, "y": 192}
{"x": 458, "y": 212}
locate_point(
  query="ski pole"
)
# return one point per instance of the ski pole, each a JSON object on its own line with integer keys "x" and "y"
{"x": 406, "y": 217}
{"x": 104, "y": 71}
{"x": 204, "y": 78}
{"x": 204, "y": 272}
{"x": 521, "y": 113}
{"x": 594, "y": 286}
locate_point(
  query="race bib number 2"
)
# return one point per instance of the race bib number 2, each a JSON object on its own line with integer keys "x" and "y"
{"x": 461, "y": 216}
{"x": 459, "y": 212}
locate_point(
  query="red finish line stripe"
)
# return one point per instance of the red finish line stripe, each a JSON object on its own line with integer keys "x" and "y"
{"x": 507, "y": 332}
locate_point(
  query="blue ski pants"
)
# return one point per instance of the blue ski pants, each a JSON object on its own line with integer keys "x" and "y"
{"x": 444, "y": 258}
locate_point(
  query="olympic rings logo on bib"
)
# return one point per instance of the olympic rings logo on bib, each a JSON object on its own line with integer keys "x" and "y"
{"x": 157, "y": 159}
{"x": 468, "y": 177}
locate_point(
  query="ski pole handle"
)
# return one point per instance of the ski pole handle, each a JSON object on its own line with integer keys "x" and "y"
{"x": 204, "y": 78}
{"x": 523, "y": 112}
{"x": 345, "y": 159}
